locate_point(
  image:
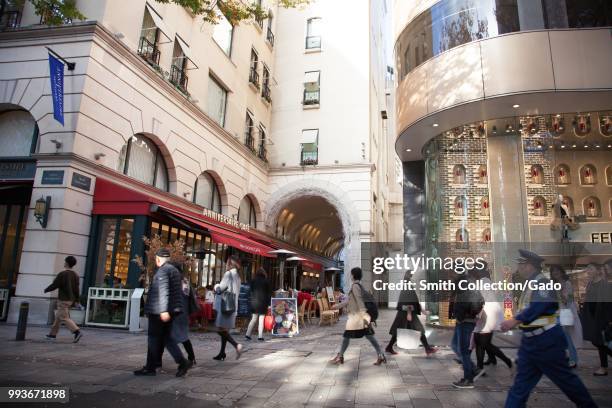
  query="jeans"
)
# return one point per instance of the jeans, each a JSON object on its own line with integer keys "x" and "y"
{"x": 455, "y": 342}
{"x": 63, "y": 316}
{"x": 371, "y": 339}
{"x": 158, "y": 337}
{"x": 573, "y": 354}
{"x": 463, "y": 331}
{"x": 256, "y": 317}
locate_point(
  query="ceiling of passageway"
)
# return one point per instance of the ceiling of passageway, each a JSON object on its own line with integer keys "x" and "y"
{"x": 313, "y": 223}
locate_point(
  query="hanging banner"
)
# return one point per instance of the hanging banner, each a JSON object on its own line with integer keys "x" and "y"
{"x": 56, "y": 73}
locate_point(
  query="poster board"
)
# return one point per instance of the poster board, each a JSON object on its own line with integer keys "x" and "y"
{"x": 330, "y": 294}
{"x": 284, "y": 317}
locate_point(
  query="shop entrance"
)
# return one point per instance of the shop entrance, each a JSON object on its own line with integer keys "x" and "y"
{"x": 14, "y": 202}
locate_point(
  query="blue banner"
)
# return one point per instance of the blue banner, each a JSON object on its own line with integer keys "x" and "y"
{"x": 56, "y": 73}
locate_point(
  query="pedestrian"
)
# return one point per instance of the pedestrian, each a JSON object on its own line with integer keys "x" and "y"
{"x": 468, "y": 304}
{"x": 488, "y": 322}
{"x": 164, "y": 303}
{"x": 261, "y": 293}
{"x": 568, "y": 313}
{"x": 67, "y": 284}
{"x": 543, "y": 344}
{"x": 407, "y": 317}
{"x": 358, "y": 323}
{"x": 180, "y": 323}
{"x": 226, "y": 305}
{"x": 597, "y": 314}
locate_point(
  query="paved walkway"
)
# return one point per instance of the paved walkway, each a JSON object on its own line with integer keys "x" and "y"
{"x": 276, "y": 373}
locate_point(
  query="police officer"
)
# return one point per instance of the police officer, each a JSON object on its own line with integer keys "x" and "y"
{"x": 542, "y": 349}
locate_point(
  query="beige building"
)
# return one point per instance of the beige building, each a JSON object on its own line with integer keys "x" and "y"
{"x": 188, "y": 130}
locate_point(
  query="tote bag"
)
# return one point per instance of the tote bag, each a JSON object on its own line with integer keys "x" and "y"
{"x": 408, "y": 339}
{"x": 228, "y": 298}
{"x": 566, "y": 317}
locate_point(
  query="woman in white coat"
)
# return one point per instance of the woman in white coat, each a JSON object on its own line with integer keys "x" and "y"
{"x": 489, "y": 321}
{"x": 358, "y": 322}
{"x": 226, "y": 321}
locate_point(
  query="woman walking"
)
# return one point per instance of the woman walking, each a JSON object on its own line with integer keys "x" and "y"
{"x": 489, "y": 321}
{"x": 358, "y": 322}
{"x": 597, "y": 314}
{"x": 407, "y": 317}
{"x": 226, "y": 320}
{"x": 261, "y": 292}
{"x": 568, "y": 313}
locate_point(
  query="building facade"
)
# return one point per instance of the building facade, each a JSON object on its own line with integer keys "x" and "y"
{"x": 169, "y": 130}
{"x": 504, "y": 116}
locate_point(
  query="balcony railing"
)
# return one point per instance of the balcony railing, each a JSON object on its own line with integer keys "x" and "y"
{"x": 313, "y": 42}
{"x": 270, "y": 36}
{"x": 148, "y": 51}
{"x": 311, "y": 97}
{"x": 262, "y": 152}
{"x": 309, "y": 158}
{"x": 10, "y": 19}
{"x": 254, "y": 77}
{"x": 179, "y": 78}
{"x": 266, "y": 94}
{"x": 249, "y": 141}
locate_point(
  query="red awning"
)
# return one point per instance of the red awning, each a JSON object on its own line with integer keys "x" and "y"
{"x": 310, "y": 265}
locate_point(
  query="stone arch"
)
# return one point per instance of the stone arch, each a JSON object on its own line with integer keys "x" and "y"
{"x": 337, "y": 197}
{"x": 168, "y": 160}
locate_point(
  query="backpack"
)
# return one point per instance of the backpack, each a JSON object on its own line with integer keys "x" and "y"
{"x": 370, "y": 303}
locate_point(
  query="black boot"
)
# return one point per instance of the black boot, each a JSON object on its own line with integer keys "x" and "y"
{"x": 184, "y": 367}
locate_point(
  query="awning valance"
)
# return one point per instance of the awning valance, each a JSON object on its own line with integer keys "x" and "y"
{"x": 186, "y": 50}
{"x": 159, "y": 22}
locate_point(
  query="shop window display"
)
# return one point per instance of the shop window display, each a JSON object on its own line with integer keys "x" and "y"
{"x": 592, "y": 207}
{"x": 605, "y": 124}
{"x": 462, "y": 238}
{"x": 539, "y": 206}
{"x": 459, "y": 174}
{"x": 588, "y": 175}
{"x": 582, "y": 125}
{"x": 114, "y": 250}
{"x": 609, "y": 175}
{"x": 461, "y": 206}
{"x": 537, "y": 174}
{"x": 484, "y": 207}
{"x": 563, "y": 175}
{"x": 486, "y": 235}
{"x": 556, "y": 126}
{"x": 568, "y": 203}
{"x": 482, "y": 174}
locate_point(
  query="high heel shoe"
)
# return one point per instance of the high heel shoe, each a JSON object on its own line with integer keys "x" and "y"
{"x": 337, "y": 360}
{"x": 219, "y": 357}
{"x": 193, "y": 361}
{"x": 381, "y": 359}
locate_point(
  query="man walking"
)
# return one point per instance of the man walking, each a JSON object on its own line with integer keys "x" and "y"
{"x": 164, "y": 302}
{"x": 67, "y": 284}
{"x": 542, "y": 349}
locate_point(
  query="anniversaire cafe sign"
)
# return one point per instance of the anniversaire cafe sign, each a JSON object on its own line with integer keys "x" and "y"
{"x": 225, "y": 219}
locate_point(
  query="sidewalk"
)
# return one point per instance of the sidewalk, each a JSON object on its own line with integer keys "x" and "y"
{"x": 276, "y": 373}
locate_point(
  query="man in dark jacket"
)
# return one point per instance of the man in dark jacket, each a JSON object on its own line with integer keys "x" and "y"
{"x": 67, "y": 284}
{"x": 163, "y": 302}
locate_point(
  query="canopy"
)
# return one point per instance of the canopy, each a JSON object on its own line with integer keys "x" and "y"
{"x": 186, "y": 50}
{"x": 159, "y": 22}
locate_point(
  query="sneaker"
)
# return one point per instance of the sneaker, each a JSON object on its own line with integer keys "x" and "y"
{"x": 261, "y": 339}
{"x": 144, "y": 371}
{"x": 464, "y": 384}
{"x": 50, "y": 337}
{"x": 77, "y": 336}
{"x": 480, "y": 372}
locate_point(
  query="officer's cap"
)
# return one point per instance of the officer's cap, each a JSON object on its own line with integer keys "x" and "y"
{"x": 163, "y": 253}
{"x": 526, "y": 256}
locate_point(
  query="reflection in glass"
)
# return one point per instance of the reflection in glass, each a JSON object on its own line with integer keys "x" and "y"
{"x": 592, "y": 207}
{"x": 539, "y": 206}
{"x": 114, "y": 251}
{"x": 588, "y": 175}
{"x": 562, "y": 175}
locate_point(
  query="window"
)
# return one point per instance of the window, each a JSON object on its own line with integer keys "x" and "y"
{"x": 114, "y": 252}
{"x": 265, "y": 88}
{"x": 269, "y": 33}
{"x": 141, "y": 159}
{"x": 178, "y": 69}
{"x": 258, "y": 19}
{"x": 588, "y": 175}
{"x": 309, "y": 147}
{"x": 223, "y": 32}
{"x": 217, "y": 101}
{"x": 312, "y": 88}
{"x": 592, "y": 207}
{"x": 207, "y": 193}
{"x": 313, "y": 33}
{"x": 249, "y": 138}
{"x": 261, "y": 151}
{"x": 18, "y": 133}
{"x": 152, "y": 28}
{"x": 253, "y": 74}
{"x": 246, "y": 212}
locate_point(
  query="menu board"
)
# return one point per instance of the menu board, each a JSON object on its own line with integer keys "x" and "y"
{"x": 330, "y": 294}
{"x": 285, "y": 317}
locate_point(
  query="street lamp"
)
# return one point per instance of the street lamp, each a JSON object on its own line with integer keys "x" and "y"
{"x": 41, "y": 210}
{"x": 282, "y": 255}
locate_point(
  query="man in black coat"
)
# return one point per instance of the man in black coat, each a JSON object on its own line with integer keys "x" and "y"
{"x": 164, "y": 302}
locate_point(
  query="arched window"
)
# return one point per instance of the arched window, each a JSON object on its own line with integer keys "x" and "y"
{"x": 588, "y": 175}
{"x": 539, "y": 206}
{"x": 246, "y": 212}
{"x": 459, "y": 174}
{"x": 485, "y": 211}
{"x": 142, "y": 160}
{"x": 582, "y": 125}
{"x": 592, "y": 207}
{"x": 482, "y": 174}
{"x": 462, "y": 238}
{"x": 206, "y": 193}
{"x": 461, "y": 206}
{"x": 537, "y": 174}
{"x": 486, "y": 235}
{"x": 18, "y": 133}
{"x": 563, "y": 175}
{"x": 609, "y": 175}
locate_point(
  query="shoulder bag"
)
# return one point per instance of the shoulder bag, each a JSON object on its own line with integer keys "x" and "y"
{"x": 228, "y": 297}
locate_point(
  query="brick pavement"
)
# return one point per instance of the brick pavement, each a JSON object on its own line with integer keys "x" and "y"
{"x": 276, "y": 373}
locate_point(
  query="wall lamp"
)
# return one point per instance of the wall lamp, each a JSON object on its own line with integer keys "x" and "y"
{"x": 57, "y": 143}
{"x": 41, "y": 210}
{"x": 98, "y": 156}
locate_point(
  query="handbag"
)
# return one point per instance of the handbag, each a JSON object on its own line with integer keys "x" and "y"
{"x": 566, "y": 317}
{"x": 228, "y": 298}
{"x": 408, "y": 339}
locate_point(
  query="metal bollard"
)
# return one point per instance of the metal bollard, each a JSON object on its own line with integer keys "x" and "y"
{"x": 22, "y": 323}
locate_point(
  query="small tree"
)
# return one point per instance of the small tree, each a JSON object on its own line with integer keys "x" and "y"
{"x": 177, "y": 255}
{"x": 57, "y": 12}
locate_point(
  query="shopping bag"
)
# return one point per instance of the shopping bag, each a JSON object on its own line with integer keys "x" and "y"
{"x": 268, "y": 323}
{"x": 408, "y": 339}
{"x": 566, "y": 317}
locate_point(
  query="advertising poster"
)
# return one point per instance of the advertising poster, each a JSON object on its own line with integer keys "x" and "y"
{"x": 285, "y": 317}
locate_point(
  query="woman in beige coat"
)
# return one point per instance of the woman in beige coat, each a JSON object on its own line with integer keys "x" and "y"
{"x": 358, "y": 323}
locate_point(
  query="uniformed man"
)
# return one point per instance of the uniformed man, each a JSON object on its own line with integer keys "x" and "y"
{"x": 542, "y": 349}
